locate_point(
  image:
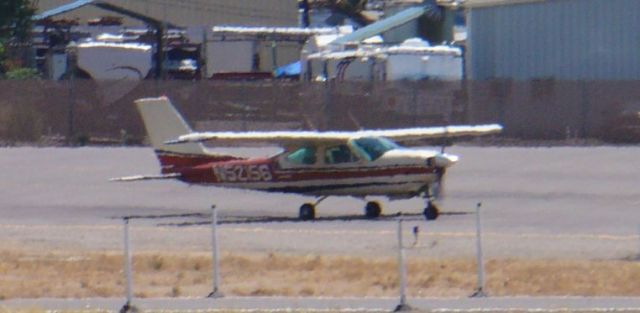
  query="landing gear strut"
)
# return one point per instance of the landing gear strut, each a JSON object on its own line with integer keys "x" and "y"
{"x": 372, "y": 209}
{"x": 431, "y": 212}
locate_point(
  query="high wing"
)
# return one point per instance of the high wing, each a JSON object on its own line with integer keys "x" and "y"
{"x": 301, "y": 137}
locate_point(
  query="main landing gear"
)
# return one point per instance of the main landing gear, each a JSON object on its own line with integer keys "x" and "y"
{"x": 372, "y": 209}
{"x": 308, "y": 210}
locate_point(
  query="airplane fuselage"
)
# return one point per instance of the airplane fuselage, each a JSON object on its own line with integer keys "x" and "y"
{"x": 397, "y": 173}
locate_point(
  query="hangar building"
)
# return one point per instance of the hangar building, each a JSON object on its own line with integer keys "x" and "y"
{"x": 553, "y": 39}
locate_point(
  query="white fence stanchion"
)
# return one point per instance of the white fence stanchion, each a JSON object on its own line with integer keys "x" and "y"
{"x": 215, "y": 250}
{"x": 128, "y": 306}
{"x": 402, "y": 272}
{"x": 479, "y": 257}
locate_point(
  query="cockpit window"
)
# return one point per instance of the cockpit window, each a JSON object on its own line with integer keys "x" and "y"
{"x": 374, "y": 147}
{"x": 339, "y": 154}
{"x": 304, "y": 155}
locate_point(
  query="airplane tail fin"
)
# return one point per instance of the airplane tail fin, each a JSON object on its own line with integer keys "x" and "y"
{"x": 163, "y": 122}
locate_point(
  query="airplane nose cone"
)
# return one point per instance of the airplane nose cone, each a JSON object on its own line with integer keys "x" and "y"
{"x": 442, "y": 160}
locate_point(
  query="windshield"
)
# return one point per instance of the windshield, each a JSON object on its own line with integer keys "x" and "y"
{"x": 373, "y": 147}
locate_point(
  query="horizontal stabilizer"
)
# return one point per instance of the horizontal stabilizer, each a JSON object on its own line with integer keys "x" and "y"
{"x": 293, "y": 137}
{"x": 145, "y": 177}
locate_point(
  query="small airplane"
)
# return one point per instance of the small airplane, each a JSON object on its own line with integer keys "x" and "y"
{"x": 320, "y": 164}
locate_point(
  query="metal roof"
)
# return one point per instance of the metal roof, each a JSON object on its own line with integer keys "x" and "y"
{"x": 383, "y": 52}
{"x": 493, "y": 3}
{"x": 254, "y": 31}
{"x": 231, "y": 33}
{"x": 103, "y": 5}
{"x": 383, "y": 25}
{"x": 62, "y": 9}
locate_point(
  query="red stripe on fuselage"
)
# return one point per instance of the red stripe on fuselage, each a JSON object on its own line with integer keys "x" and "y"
{"x": 255, "y": 170}
{"x": 175, "y": 162}
{"x": 205, "y": 173}
{"x": 356, "y": 172}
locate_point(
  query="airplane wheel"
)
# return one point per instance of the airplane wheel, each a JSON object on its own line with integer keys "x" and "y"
{"x": 431, "y": 212}
{"x": 372, "y": 209}
{"x": 307, "y": 212}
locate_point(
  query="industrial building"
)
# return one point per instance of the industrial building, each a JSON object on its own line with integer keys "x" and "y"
{"x": 553, "y": 39}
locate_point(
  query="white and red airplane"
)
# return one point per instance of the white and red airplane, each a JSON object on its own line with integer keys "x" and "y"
{"x": 320, "y": 164}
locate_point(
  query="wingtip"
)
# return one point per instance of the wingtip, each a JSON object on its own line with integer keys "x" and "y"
{"x": 126, "y": 178}
{"x": 174, "y": 142}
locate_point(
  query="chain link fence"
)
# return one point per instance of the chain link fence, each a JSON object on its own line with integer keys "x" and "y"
{"x": 88, "y": 111}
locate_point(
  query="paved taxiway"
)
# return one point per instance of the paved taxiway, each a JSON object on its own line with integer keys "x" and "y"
{"x": 284, "y": 304}
{"x": 576, "y": 202}
{"x": 566, "y": 202}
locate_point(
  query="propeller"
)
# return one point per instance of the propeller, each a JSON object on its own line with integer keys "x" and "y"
{"x": 440, "y": 162}
{"x": 438, "y": 187}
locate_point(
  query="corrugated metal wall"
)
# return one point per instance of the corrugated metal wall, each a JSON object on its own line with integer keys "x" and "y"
{"x": 555, "y": 39}
{"x": 199, "y": 12}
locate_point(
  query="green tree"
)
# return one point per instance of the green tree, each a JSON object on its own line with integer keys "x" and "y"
{"x": 15, "y": 20}
{"x": 15, "y": 28}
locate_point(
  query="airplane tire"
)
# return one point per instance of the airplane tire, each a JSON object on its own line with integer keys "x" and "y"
{"x": 307, "y": 212}
{"x": 431, "y": 212}
{"x": 372, "y": 209}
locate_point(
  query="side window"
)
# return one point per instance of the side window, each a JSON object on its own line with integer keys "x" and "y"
{"x": 304, "y": 155}
{"x": 339, "y": 154}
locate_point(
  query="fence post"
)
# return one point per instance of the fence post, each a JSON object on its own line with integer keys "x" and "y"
{"x": 215, "y": 250}
{"x": 72, "y": 61}
{"x": 402, "y": 272}
{"x": 479, "y": 257}
{"x": 128, "y": 307}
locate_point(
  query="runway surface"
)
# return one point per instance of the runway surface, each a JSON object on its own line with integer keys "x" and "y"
{"x": 568, "y": 202}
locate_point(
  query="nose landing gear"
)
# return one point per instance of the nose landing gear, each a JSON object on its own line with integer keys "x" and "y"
{"x": 431, "y": 212}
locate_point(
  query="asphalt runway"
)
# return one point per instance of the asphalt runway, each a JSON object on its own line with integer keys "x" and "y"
{"x": 565, "y": 202}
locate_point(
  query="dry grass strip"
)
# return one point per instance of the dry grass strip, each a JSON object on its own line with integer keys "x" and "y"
{"x": 33, "y": 275}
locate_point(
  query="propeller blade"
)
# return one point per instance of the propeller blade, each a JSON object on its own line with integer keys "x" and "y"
{"x": 438, "y": 186}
